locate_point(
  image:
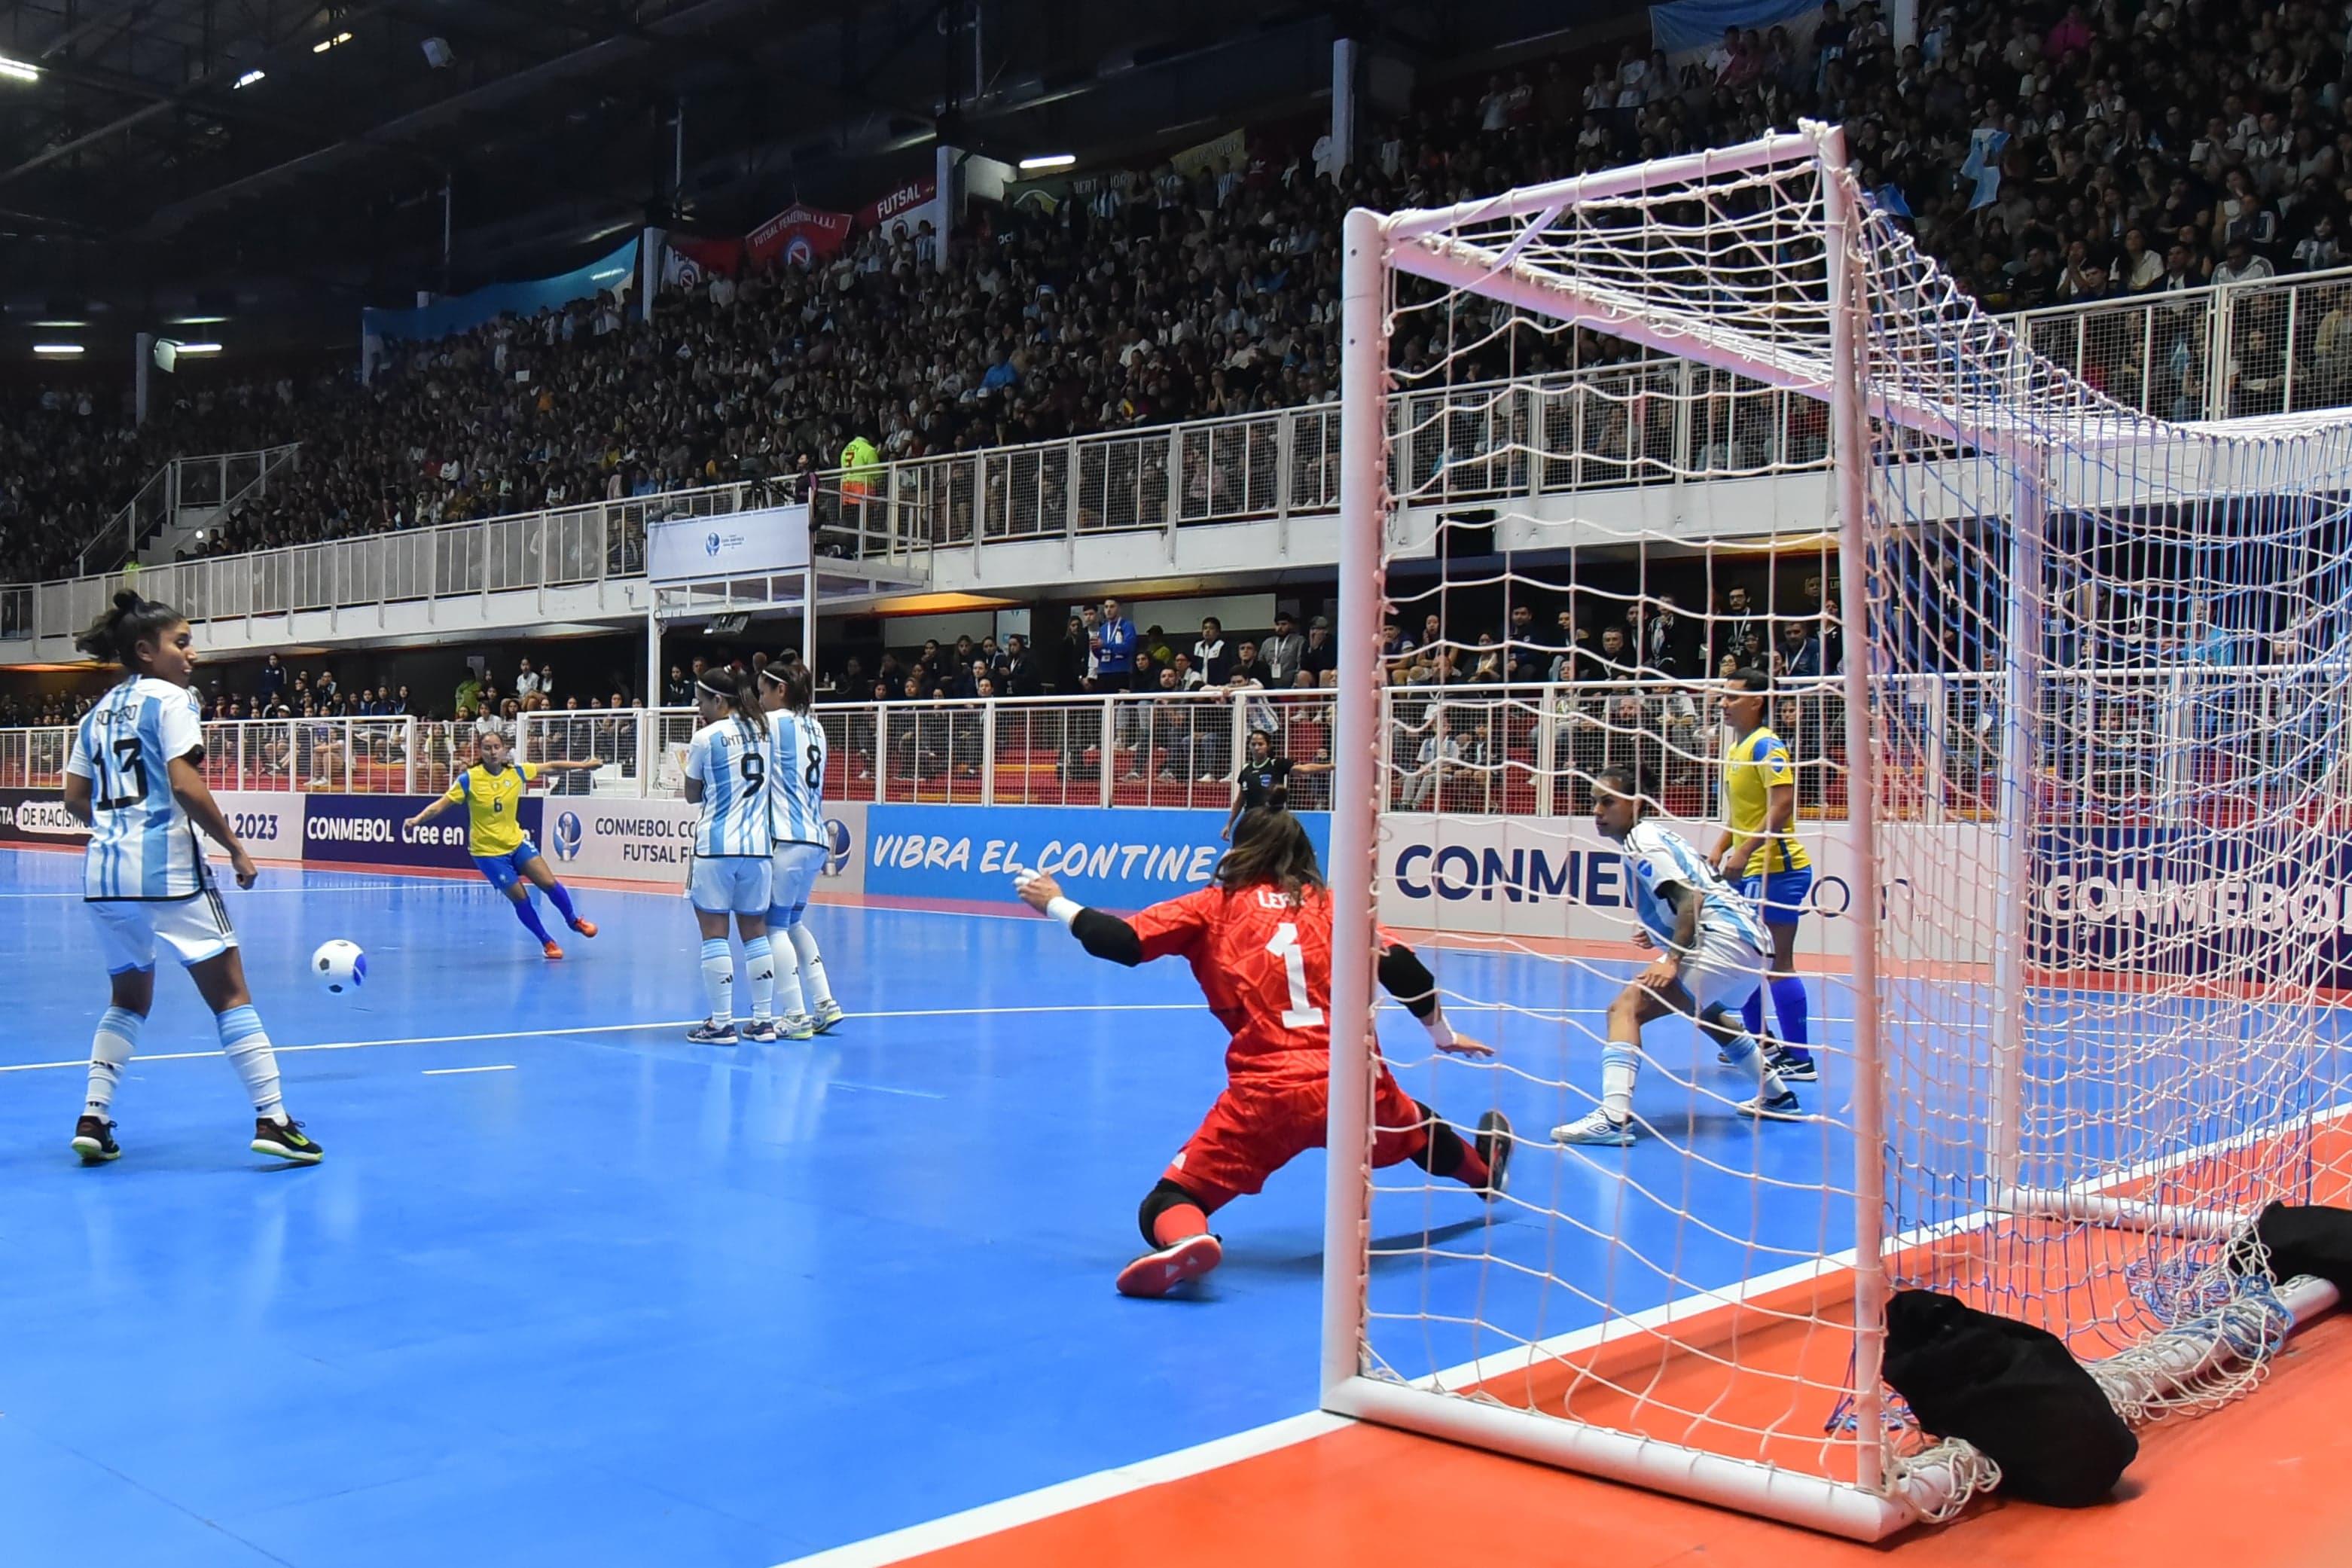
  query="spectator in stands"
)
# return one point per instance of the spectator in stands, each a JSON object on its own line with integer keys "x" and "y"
{"x": 1438, "y": 761}
{"x": 1282, "y": 652}
{"x": 1249, "y": 666}
{"x": 1319, "y": 657}
{"x": 1208, "y": 652}
{"x": 1114, "y": 641}
{"x": 271, "y": 683}
{"x": 529, "y": 682}
{"x": 1800, "y": 655}
{"x": 1188, "y": 675}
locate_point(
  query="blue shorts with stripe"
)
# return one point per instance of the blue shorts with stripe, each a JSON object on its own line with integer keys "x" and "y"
{"x": 1779, "y": 896}
{"x": 504, "y": 870}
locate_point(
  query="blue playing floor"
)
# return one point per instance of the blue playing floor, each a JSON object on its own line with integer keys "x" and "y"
{"x": 628, "y": 1300}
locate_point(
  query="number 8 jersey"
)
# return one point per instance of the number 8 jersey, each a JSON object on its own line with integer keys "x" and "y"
{"x": 142, "y": 846}
{"x": 797, "y": 784}
{"x": 732, "y": 760}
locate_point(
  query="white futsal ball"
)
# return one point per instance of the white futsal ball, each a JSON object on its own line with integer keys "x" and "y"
{"x": 339, "y": 965}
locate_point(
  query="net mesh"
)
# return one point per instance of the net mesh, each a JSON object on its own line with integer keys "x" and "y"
{"x": 2100, "y": 885}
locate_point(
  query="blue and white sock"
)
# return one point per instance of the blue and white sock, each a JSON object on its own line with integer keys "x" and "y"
{"x": 812, "y": 965}
{"x": 1621, "y": 1064}
{"x": 1744, "y": 1052}
{"x": 110, "y": 1050}
{"x": 246, "y": 1045}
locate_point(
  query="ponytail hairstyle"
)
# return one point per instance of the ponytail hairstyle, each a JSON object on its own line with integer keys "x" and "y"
{"x": 118, "y": 632}
{"x": 1271, "y": 850}
{"x": 791, "y": 677}
{"x": 723, "y": 683}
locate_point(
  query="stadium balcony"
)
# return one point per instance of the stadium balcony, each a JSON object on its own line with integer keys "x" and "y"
{"x": 1583, "y": 455}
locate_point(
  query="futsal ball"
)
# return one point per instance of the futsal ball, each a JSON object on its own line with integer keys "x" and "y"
{"x": 340, "y": 965}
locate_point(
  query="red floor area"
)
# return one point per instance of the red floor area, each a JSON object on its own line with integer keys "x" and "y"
{"x": 2260, "y": 1483}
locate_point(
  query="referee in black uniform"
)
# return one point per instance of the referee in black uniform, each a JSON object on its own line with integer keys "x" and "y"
{"x": 1263, "y": 781}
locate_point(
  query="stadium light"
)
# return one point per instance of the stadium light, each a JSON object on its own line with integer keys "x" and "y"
{"x": 19, "y": 70}
{"x": 197, "y": 348}
{"x": 57, "y": 351}
{"x": 249, "y": 78}
{"x": 1048, "y": 161}
{"x": 60, "y": 321}
{"x": 174, "y": 321}
{"x": 323, "y": 45}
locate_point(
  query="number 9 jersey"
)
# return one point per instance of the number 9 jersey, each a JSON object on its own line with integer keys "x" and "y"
{"x": 142, "y": 846}
{"x": 732, "y": 760}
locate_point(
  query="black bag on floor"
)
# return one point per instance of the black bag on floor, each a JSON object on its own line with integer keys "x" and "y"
{"x": 2012, "y": 1391}
{"x": 2315, "y": 1241}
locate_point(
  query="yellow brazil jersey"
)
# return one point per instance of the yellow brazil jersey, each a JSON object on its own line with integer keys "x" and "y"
{"x": 1751, "y": 770}
{"x": 491, "y": 801}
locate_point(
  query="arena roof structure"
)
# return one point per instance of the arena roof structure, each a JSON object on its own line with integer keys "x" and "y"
{"x": 173, "y": 152}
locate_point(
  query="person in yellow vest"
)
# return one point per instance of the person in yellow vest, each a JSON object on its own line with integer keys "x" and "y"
{"x": 860, "y": 462}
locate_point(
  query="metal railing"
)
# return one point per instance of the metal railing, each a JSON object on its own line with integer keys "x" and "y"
{"x": 2204, "y": 743}
{"x": 215, "y": 480}
{"x": 2271, "y": 346}
{"x": 557, "y": 548}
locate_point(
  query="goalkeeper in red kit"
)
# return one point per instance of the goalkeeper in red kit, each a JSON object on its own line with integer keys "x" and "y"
{"x": 1259, "y": 941}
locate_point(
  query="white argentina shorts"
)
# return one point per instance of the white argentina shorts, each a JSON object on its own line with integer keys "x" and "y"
{"x": 798, "y": 867}
{"x": 194, "y": 928}
{"x": 730, "y": 884}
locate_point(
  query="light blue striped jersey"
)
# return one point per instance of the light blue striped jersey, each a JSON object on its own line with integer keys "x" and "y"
{"x": 142, "y": 844}
{"x": 732, "y": 761}
{"x": 797, "y": 785}
{"x": 1656, "y": 855}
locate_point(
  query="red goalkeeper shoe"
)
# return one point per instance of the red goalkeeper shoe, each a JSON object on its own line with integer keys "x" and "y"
{"x": 552, "y": 951}
{"x": 585, "y": 928}
{"x": 1156, "y": 1273}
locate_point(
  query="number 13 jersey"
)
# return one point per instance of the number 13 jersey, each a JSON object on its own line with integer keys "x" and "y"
{"x": 142, "y": 846}
{"x": 796, "y": 784}
{"x": 732, "y": 760}
{"x": 1264, "y": 966}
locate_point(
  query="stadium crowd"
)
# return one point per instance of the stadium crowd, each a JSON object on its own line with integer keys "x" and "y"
{"x": 2048, "y": 155}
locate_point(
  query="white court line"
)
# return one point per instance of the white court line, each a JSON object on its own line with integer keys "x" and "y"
{"x": 625, "y": 1029}
{"x": 988, "y": 1519}
{"x": 451, "y": 1072}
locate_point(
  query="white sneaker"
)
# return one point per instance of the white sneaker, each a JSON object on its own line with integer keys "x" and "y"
{"x": 828, "y": 1013}
{"x": 1595, "y": 1128}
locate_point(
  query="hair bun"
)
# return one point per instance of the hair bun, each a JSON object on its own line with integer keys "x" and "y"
{"x": 126, "y": 601}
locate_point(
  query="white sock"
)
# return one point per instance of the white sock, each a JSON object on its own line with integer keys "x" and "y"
{"x": 788, "y": 977}
{"x": 718, "y": 979}
{"x": 247, "y": 1047}
{"x": 813, "y": 980}
{"x": 110, "y": 1050}
{"x": 1745, "y": 1052}
{"x": 1621, "y": 1064}
{"x": 759, "y": 963}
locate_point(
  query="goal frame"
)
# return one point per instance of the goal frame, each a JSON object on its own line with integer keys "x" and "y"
{"x": 1874, "y": 1505}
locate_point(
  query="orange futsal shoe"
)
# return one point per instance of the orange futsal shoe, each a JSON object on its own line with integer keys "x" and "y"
{"x": 552, "y": 951}
{"x": 1156, "y": 1273}
{"x": 585, "y": 928}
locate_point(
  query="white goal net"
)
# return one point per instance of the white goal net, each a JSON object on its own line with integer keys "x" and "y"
{"x": 2061, "y": 689}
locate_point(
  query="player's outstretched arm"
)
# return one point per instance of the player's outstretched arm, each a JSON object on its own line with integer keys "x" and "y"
{"x": 1406, "y": 977}
{"x": 590, "y": 765}
{"x": 196, "y": 797}
{"x": 430, "y": 812}
{"x": 1105, "y": 936}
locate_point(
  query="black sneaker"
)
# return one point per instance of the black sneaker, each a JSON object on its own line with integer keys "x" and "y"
{"x": 284, "y": 1140}
{"x": 1792, "y": 1067}
{"x": 93, "y": 1139}
{"x": 1493, "y": 1144}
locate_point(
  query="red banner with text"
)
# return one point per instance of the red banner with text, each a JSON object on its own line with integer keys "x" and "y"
{"x": 799, "y": 235}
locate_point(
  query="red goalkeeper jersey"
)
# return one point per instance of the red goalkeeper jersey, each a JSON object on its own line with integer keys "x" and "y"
{"x": 1265, "y": 965}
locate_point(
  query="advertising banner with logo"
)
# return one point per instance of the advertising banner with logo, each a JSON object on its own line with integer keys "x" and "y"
{"x": 37, "y": 816}
{"x": 2197, "y": 903}
{"x": 912, "y": 204}
{"x": 739, "y": 545}
{"x": 689, "y": 263}
{"x": 649, "y": 841}
{"x": 799, "y": 235}
{"x": 268, "y": 821}
{"x": 1119, "y": 859}
{"x": 370, "y": 830}
{"x": 1555, "y": 877}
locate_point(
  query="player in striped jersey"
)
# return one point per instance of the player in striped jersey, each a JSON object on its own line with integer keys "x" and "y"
{"x": 796, "y": 788}
{"x": 727, "y": 766}
{"x": 1712, "y": 963}
{"x": 133, "y": 777}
